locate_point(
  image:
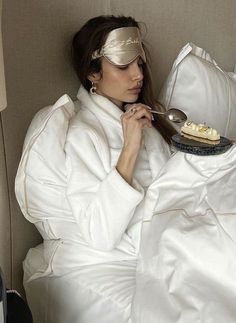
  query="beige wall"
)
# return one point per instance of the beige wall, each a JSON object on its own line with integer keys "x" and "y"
{"x": 210, "y": 24}
{"x": 36, "y": 38}
{"x": 5, "y": 236}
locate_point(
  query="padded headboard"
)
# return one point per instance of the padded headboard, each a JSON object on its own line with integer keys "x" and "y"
{"x": 36, "y": 41}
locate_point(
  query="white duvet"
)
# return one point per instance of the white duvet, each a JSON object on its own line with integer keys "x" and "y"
{"x": 186, "y": 271}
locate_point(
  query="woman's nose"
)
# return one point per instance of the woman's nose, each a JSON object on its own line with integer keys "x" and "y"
{"x": 137, "y": 71}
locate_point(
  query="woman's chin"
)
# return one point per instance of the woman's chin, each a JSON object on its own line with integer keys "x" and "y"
{"x": 131, "y": 99}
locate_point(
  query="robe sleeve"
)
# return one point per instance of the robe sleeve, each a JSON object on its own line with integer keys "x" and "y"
{"x": 102, "y": 202}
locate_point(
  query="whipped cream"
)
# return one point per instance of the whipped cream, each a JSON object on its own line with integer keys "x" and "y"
{"x": 199, "y": 130}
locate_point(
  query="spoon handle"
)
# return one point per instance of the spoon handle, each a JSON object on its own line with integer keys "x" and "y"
{"x": 157, "y": 112}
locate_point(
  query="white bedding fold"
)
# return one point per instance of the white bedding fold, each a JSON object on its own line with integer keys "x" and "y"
{"x": 187, "y": 266}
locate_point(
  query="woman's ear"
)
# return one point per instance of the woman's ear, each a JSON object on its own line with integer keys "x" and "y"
{"x": 94, "y": 77}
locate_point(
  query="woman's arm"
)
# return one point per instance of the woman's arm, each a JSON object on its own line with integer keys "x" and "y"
{"x": 133, "y": 121}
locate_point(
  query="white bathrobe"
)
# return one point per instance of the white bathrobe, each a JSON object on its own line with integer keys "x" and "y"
{"x": 89, "y": 216}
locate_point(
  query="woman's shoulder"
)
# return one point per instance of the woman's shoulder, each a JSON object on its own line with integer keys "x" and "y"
{"x": 84, "y": 121}
{"x": 86, "y": 134}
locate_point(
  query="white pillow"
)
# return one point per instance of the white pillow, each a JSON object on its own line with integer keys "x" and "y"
{"x": 199, "y": 87}
{"x": 41, "y": 174}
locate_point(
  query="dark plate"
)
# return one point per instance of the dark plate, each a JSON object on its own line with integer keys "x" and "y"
{"x": 199, "y": 148}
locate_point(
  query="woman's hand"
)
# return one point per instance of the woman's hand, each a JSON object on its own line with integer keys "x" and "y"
{"x": 134, "y": 120}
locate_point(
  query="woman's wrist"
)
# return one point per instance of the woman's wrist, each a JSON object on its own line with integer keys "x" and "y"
{"x": 126, "y": 163}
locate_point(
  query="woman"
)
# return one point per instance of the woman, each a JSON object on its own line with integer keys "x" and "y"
{"x": 92, "y": 215}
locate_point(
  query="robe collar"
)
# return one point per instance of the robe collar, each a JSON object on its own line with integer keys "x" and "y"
{"x": 157, "y": 149}
{"x": 98, "y": 104}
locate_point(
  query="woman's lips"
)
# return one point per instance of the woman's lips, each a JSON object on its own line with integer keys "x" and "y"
{"x": 135, "y": 89}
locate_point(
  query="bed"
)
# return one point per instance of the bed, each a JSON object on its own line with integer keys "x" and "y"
{"x": 186, "y": 268}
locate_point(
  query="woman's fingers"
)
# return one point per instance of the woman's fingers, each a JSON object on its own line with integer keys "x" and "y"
{"x": 144, "y": 122}
{"x": 136, "y": 106}
{"x": 138, "y": 111}
{"x": 142, "y": 113}
{"x": 130, "y": 106}
{"x": 140, "y": 118}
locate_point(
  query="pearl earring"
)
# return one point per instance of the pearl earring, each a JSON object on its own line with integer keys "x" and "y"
{"x": 93, "y": 89}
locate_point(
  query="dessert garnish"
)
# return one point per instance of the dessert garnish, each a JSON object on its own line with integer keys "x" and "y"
{"x": 200, "y": 132}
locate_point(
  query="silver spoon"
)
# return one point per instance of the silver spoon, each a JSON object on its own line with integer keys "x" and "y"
{"x": 174, "y": 115}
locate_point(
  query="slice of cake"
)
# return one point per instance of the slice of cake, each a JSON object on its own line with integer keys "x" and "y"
{"x": 200, "y": 132}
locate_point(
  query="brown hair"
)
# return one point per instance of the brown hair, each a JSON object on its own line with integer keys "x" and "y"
{"x": 91, "y": 37}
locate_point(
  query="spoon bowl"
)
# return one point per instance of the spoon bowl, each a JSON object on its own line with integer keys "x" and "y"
{"x": 173, "y": 115}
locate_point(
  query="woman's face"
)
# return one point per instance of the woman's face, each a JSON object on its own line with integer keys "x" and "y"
{"x": 120, "y": 83}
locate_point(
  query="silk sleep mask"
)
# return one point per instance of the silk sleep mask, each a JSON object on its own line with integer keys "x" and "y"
{"x": 122, "y": 46}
